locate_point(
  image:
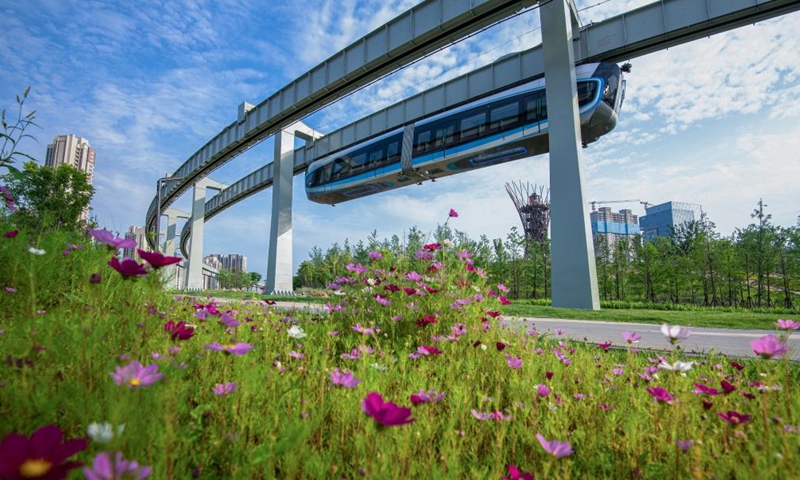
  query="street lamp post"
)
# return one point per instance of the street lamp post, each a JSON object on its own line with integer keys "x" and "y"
{"x": 159, "y": 183}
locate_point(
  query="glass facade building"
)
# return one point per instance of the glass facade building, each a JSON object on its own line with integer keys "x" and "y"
{"x": 662, "y": 220}
{"x": 609, "y": 227}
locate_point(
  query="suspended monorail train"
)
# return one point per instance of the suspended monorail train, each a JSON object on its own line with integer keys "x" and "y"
{"x": 496, "y": 129}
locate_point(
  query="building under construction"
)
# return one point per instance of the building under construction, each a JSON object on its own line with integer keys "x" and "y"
{"x": 533, "y": 207}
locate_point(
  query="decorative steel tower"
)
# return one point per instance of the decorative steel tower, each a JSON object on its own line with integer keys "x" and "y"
{"x": 533, "y": 206}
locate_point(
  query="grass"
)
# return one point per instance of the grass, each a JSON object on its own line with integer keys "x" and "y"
{"x": 287, "y": 418}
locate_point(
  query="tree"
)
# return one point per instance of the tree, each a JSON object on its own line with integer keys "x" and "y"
{"x": 50, "y": 198}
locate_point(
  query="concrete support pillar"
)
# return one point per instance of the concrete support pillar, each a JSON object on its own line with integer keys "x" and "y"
{"x": 170, "y": 273}
{"x": 574, "y": 273}
{"x": 194, "y": 274}
{"x": 279, "y": 259}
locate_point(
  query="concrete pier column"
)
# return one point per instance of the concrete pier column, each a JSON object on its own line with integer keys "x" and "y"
{"x": 170, "y": 273}
{"x": 194, "y": 274}
{"x": 279, "y": 259}
{"x": 574, "y": 273}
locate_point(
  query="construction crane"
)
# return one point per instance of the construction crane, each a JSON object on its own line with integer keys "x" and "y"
{"x": 594, "y": 203}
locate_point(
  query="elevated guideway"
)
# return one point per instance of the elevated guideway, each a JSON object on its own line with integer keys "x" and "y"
{"x": 425, "y": 28}
{"x": 653, "y": 27}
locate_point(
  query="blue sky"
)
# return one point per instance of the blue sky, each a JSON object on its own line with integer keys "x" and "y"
{"x": 713, "y": 122}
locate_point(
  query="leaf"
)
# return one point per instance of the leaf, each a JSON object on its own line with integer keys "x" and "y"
{"x": 14, "y": 172}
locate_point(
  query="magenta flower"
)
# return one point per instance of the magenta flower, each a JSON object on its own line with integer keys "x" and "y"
{"x": 515, "y": 474}
{"x": 224, "y": 388}
{"x": 134, "y": 375}
{"x": 344, "y": 379}
{"x": 42, "y": 456}
{"x": 127, "y": 268}
{"x": 230, "y": 349}
{"x": 453, "y": 214}
{"x": 386, "y": 414}
{"x": 107, "y": 238}
{"x": 675, "y": 333}
{"x": 497, "y": 415}
{"x": 788, "y": 325}
{"x": 179, "y": 331}
{"x": 701, "y": 389}
{"x": 660, "y": 395}
{"x": 514, "y": 362}
{"x": 734, "y": 418}
{"x": 542, "y": 390}
{"x": 554, "y": 447}
{"x": 631, "y": 337}
{"x": 684, "y": 445}
{"x": 769, "y": 346}
{"x": 11, "y": 233}
{"x": 431, "y": 396}
{"x": 104, "y": 468}
{"x": 156, "y": 259}
{"x": 375, "y": 255}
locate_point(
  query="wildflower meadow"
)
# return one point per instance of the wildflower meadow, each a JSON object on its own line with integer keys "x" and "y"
{"x": 410, "y": 370}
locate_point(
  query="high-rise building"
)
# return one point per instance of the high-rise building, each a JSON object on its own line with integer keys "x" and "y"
{"x": 662, "y": 220}
{"x": 137, "y": 234}
{"x": 231, "y": 261}
{"x": 609, "y": 227}
{"x": 74, "y": 151}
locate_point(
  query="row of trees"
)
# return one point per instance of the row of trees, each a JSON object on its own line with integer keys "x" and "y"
{"x": 758, "y": 266}
{"x": 237, "y": 279}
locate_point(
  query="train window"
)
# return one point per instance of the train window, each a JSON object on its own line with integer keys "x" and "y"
{"x": 358, "y": 159}
{"x": 535, "y": 107}
{"x": 341, "y": 168}
{"x": 586, "y": 91}
{"x": 376, "y": 155}
{"x": 393, "y": 152}
{"x": 423, "y": 140}
{"x": 501, "y": 116}
{"x": 445, "y": 136}
{"x": 472, "y": 126}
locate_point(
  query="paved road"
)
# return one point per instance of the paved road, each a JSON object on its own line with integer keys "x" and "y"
{"x": 734, "y": 342}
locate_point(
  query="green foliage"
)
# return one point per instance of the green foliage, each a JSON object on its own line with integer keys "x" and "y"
{"x": 50, "y": 198}
{"x": 14, "y": 132}
{"x": 286, "y": 419}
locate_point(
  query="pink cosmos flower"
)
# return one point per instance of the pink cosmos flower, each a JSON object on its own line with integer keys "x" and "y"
{"x": 106, "y": 468}
{"x": 344, "y": 379}
{"x": 228, "y": 349}
{"x": 542, "y": 390}
{"x": 453, "y": 213}
{"x": 375, "y": 255}
{"x": 631, "y": 337}
{"x": 675, "y": 333}
{"x": 514, "y": 362}
{"x": 701, "y": 389}
{"x": 788, "y": 325}
{"x": 684, "y": 445}
{"x": 727, "y": 387}
{"x": 769, "y": 346}
{"x": 734, "y": 418}
{"x": 42, "y": 456}
{"x": 128, "y": 268}
{"x": 660, "y": 395}
{"x": 554, "y": 447}
{"x": 179, "y": 331}
{"x": 387, "y": 414}
{"x": 431, "y": 396}
{"x": 156, "y": 259}
{"x": 515, "y": 474}
{"x": 134, "y": 375}
{"x": 11, "y": 233}
{"x": 222, "y": 389}
{"x": 107, "y": 238}
{"x": 382, "y": 300}
{"x": 503, "y": 300}
{"x": 496, "y": 415}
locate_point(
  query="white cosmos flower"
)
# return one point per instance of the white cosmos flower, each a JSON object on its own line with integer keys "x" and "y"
{"x": 36, "y": 251}
{"x": 675, "y": 333}
{"x": 679, "y": 367}
{"x": 103, "y": 432}
{"x": 296, "y": 332}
